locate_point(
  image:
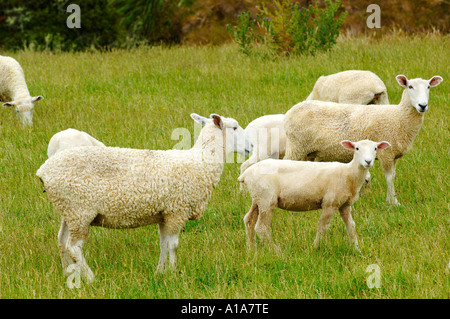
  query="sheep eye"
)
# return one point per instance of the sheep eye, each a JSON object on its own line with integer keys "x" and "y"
{"x": 410, "y": 87}
{"x": 357, "y": 148}
{"x": 375, "y": 148}
{"x": 235, "y": 128}
{"x": 428, "y": 87}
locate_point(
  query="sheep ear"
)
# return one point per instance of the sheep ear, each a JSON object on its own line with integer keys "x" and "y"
{"x": 383, "y": 145}
{"x": 435, "y": 81}
{"x": 348, "y": 145}
{"x": 9, "y": 104}
{"x": 402, "y": 80}
{"x": 199, "y": 119}
{"x": 37, "y": 98}
{"x": 217, "y": 120}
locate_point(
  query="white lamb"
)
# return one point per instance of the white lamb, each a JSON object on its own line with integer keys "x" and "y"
{"x": 14, "y": 90}
{"x": 353, "y": 87}
{"x": 126, "y": 188}
{"x": 314, "y": 128}
{"x": 304, "y": 186}
{"x": 70, "y": 138}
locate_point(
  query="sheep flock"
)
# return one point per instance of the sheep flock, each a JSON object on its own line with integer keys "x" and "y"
{"x": 315, "y": 155}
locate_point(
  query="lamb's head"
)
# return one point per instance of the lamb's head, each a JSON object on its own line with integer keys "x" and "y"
{"x": 24, "y": 108}
{"x": 418, "y": 90}
{"x": 365, "y": 151}
{"x": 235, "y": 138}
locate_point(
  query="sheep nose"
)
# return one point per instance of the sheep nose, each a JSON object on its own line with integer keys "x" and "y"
{"x": 423, "y": 106}
{"x": 368, "y": 162}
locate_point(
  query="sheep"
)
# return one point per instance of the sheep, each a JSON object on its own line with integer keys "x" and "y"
{"x": 70, "y": 138}
{"x": 350, "y": 87}
{"x": 126, "y": 188}
{"x": 14, "y": 90}
{"x": 313, "y": 128}
{"x": 303, "y": 186}
{"x": 268, "y": 138}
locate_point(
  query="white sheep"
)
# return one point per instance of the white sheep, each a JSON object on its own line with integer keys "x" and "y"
{"x": 353, "y": 87}
{"x": 14, "y": 90}
{"x": 350, "y": 87}
{"x": 126, "y": 188}
{"x": 314, "y": 128}
{"x": 70, "y": 138}
{"x": 304, "y": 186}
{"x": 268, "y": 137}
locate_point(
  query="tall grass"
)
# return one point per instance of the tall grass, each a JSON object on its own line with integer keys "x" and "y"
{"x": 137, "y": 98}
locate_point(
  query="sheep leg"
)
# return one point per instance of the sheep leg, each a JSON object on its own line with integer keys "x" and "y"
{"x": 349, "y": 224}
{"x": 264, "y": 221}
{"x": 324, "y": 224}
{"x": 388, "y": 167}
{"x": 250, "y": 220}
{"x": 169, "y": 245}
{"x": 63, "y": 236}
{"x": 75, "y": 249}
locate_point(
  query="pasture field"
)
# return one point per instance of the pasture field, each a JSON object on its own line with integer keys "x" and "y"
{"x": 137, "y": 98}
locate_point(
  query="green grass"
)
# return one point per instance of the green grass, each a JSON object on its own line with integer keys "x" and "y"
{"x": 137, "y": 98}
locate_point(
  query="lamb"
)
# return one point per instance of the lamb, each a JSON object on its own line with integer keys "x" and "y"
{"x": 70, "y": 138}
{"x": 14, "y": 90}
{"x": 125, "y": 188}
{"x": 313, "y": 128}
{"x": 350, "y": 87}
{"x": 304, "y": 186}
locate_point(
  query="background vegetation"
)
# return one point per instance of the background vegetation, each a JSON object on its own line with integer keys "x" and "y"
{"x": 135, "y": 98}
{"x": 41, "y": 24}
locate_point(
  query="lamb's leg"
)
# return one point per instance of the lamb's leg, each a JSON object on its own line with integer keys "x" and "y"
{"x": 75, "y": 249}
{"x": 349, "y": 224}
{"x": 63, "y": 236}
{"x": 250, "y": 220}
{"x": 169, "y": 244}
{"x": 264, "y": 221}
{"x": 388, "y": 166}
{"x": 324, "y": 224}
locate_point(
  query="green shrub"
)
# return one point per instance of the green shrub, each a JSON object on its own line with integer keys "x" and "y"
{"x": 287, "y": 28}
{"x": 41, "y": 24}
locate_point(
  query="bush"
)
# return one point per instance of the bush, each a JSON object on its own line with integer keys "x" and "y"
{"x": 287, "y": 28}
{"x": 41, "y": 24}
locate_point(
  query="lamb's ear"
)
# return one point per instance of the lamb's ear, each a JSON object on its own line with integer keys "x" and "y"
{"x": 435, "y": 81}
{"x": 9, "y": 104}
{"x": 37, "y": 98}
{"x": 383, "y": 145}
{"x": 402, "y": 80}
{"x": 199, "y": 119}
{"x": 217, "y": 120}
{"x": 348, "y": 145}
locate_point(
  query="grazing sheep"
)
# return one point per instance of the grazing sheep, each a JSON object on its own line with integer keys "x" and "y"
{"x": 125, "y": 188}
{"x": 70, "y": 138}
{"x": 350, "y": 87}
{"x": 14, "y": 90}
{"x": 303, "y": 186}
{"x": 353, "y": 87}
{"x": 314, "y": 128}
{"x": 268, "y": 138}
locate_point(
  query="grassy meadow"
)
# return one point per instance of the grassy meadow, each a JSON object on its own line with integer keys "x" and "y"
{"x": 137, "y": 98}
